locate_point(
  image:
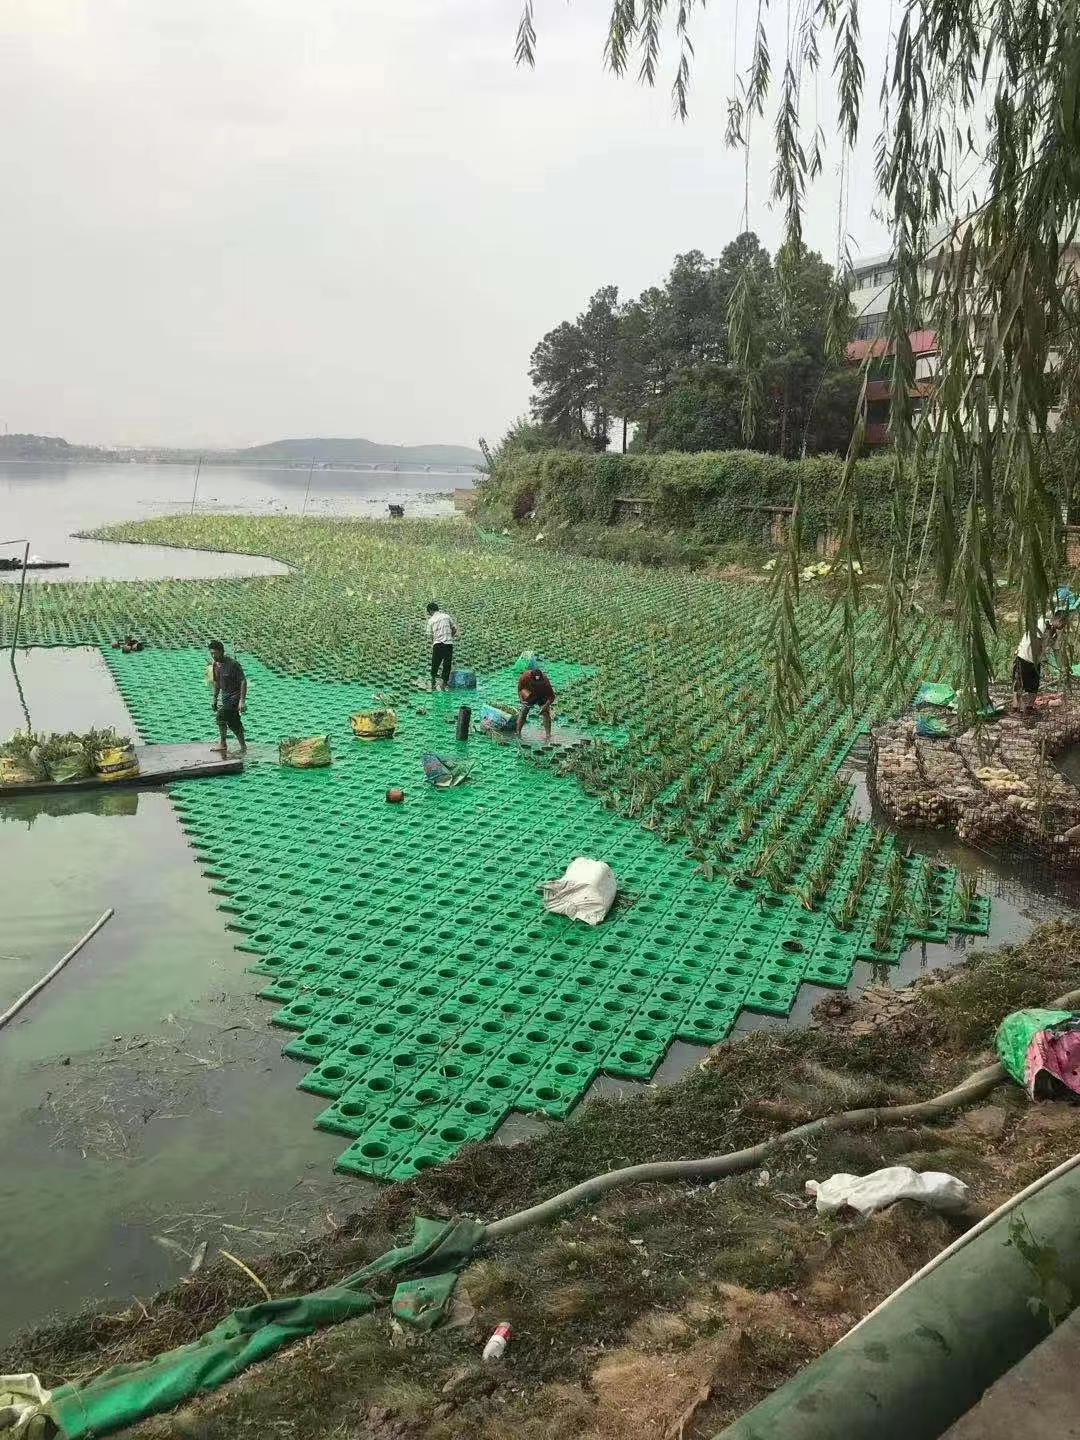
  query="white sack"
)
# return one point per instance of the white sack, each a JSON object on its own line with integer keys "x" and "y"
{"x": 585, "y": 892}
{"x": 883, "y": 1187}
{"x": 22, "y": 1403}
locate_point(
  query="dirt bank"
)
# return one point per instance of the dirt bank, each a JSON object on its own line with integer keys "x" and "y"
{"x": 993, "y": 785}
{"x": 659, "y": 1307}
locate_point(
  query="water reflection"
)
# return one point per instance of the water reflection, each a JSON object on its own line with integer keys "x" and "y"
{"x": 47, "y": 503}
{"x": 108, "y": 804}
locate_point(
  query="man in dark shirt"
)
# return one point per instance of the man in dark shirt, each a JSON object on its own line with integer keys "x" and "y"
{"x": 230, "y": 696}
{"x": 534, "y": 688}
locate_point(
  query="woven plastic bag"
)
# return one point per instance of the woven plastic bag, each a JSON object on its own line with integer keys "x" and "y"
{"x": 441, "y": 773}
{"x": 15, "y": 771}
{"x": 116, "y": 763}
{"x": 463, "y": 680}
{"x": 496, "y": 717}
{"x": 931, "y": 728}
{"x": 585, "y": 891}
{"x": 307, "y": 754}
{"x": 1018, "y": 1030}
{"x": 931, "y": 694}
{"x": 866, "y": 1193}
{"x": 374, "y": 724}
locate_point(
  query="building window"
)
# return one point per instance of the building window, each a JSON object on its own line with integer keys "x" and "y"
{"x": 870, "y": 327}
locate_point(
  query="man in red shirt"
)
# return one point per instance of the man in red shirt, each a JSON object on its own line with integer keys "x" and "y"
{"x": 534, "y": 688}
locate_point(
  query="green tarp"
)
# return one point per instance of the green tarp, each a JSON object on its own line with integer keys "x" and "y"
{"x": 1016, "y": 1032}
{"x": 931, "y": 728}
{"x": 427, "y": 1270}
{"x": 931, "y": 694}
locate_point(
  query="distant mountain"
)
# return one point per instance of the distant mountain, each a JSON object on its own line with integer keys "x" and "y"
{"x": 328, "y": 451}
{"x": 295, "y": 453}
{"x": 49, "y": 447}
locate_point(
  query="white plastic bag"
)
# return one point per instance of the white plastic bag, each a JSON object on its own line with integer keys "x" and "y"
{"x": 585, "y": 892}
{"x": 22, "y": 1402}
{"x": 866, "y": 1193}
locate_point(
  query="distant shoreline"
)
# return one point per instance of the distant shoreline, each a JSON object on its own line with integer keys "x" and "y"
{"x": 361, "y": 468}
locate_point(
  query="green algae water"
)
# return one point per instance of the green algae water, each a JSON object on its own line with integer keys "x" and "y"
{"x": 139, "y": 1098}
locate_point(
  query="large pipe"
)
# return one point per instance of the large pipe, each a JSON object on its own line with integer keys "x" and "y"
{"x": 925, "y": 1357}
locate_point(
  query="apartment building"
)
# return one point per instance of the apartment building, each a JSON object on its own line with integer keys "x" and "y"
{"x": 871, "y": 288}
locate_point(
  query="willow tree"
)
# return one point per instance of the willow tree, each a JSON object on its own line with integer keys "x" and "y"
{"x": 989, "y": 88}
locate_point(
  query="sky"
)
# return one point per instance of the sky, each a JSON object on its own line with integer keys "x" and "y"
{"x": 230, "y": 221}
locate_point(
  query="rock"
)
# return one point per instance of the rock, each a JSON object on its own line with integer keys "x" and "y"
{"x": 988, "y": 1121}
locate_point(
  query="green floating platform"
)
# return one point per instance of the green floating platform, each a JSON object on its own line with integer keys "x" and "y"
{"x": 406, "y": 948}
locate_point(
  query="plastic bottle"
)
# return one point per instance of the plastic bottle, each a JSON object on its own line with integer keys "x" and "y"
{"x": 495, "y": 1348}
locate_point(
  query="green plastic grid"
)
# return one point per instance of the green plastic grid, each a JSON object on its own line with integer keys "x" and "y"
{"x": 310, "y": 866}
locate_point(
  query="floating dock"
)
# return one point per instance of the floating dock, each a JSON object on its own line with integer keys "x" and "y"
{"x": 158, "y": 765}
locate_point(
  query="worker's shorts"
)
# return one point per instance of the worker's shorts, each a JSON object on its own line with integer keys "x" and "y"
{"x": 1027, "y": 677}
{"x": 228, "y": 718}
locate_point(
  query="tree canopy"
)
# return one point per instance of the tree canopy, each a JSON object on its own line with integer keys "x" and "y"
{"x": 977, "y": 173}
{"x": 667, "y": 364}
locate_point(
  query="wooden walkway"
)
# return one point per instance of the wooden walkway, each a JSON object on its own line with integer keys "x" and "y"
{"x": 158, "y": 765}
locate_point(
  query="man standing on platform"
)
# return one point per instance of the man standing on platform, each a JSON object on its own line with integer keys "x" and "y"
{"x": 441, "y": 629}
{"x": 230, "y": 696}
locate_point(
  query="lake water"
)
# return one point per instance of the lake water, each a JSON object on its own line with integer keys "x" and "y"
{"x": 144, "y": 1103}
{"x": 46, "y": 503}
{"x": 121, "y": 1084}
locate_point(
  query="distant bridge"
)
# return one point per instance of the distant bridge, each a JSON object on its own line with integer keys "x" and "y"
{"x": 390, "y": 467}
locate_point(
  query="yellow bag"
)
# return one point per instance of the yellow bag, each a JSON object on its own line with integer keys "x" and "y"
{"x": 305, "y": 754}
{"x": 374, "y": 724}
{"x": 116, "y": 763}
{"x": 15, "y": 772}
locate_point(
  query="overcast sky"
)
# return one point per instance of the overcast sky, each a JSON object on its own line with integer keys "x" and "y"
{"x": 228, "y": 221}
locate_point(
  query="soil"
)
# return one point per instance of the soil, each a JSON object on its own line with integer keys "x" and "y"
{"x": 663, "y": 1311}
{"x": 995, "y": 784}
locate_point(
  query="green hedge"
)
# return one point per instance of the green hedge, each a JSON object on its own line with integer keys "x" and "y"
{"x": 710, "y": 492}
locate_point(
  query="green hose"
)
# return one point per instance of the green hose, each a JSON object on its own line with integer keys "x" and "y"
{"x": 739, "y": 1161}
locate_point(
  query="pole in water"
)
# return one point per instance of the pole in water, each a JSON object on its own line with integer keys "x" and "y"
{"x": 18, "y": 608}
{"x": 22, "y": 697}
{"x": 307, "y": 492}
{"x": 28, "y": 995}
{"x": 195, "y": 491}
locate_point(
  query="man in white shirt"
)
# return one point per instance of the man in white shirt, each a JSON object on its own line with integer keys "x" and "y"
{"x": 441, "y": 629}
{"x": 1030, "y": 653}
